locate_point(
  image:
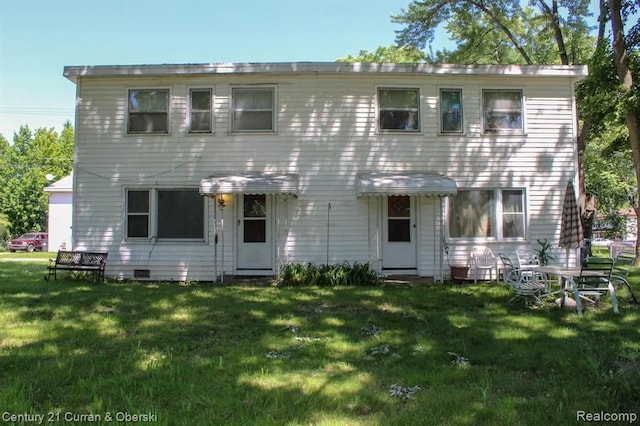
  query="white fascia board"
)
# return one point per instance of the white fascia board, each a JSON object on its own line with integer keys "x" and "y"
{"x": 73, "y": 73}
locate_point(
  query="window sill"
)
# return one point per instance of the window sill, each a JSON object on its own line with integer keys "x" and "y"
{"x": 452, "y": 134}
{"x": 150, "y": 134}
{"x": 253, "y": 133}
{"x": 504, "y": 133}
{"x": 208, "y": 133}
{"x": 399, "y": 132}
{"x": 163, "y": 241}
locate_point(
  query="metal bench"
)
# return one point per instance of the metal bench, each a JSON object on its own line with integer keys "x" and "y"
{"x": 82, "y": 261}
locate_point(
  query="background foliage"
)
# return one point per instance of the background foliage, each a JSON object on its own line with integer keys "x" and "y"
{"x": 25, "y": 166}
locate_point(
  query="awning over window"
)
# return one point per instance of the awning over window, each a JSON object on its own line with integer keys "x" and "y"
{"x": 250, "y": 183}
{"x": 433, "y": 184}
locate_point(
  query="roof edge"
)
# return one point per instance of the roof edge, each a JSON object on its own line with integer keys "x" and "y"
{"x": 73, "y": 73}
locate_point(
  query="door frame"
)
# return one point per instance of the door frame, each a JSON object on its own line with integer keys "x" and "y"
{"x": 414, "y": 233}
{"x": 270, "y": 231}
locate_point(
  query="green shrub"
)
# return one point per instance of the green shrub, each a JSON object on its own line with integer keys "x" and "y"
{"x": 341, "y": 274}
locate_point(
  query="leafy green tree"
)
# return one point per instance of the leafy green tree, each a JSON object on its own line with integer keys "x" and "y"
{"x": 24, "y": 168}
{"x": 627, "y": 66}
{"x": 500, "y": 31}
{"x": 388, "y": 54}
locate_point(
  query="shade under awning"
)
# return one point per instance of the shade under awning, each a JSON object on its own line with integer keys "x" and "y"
{"x": 250, "y": 183}
{"x": 433, "y": 184}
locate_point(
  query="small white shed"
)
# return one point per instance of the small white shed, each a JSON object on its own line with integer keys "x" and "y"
{"x": 60, "y": 213}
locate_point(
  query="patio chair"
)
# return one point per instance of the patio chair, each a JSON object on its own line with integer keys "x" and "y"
{"x": 595, "y": 280}
{"x": 622, "y": 265}
{"x": 482, "y": 259}
{"x": 528, "y": 258}
{"x": 527, "y": 289}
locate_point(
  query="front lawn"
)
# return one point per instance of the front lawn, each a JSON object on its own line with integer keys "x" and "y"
{"x": 398, "y": 354}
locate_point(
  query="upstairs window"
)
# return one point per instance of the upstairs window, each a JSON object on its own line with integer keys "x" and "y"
{"x": 200, "y": 111}
{"x": 502, "y": 111}
{"x": 451, "y": 111}
{"x": 148, "y": 111}
{"x": 399, "y": 110}
{"x": 253, "y": 110}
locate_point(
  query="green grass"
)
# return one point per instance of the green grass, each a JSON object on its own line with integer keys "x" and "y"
{"x": 202, "y": 354}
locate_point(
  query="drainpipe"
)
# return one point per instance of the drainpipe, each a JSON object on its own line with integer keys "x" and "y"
{"x": 328, "y": 218}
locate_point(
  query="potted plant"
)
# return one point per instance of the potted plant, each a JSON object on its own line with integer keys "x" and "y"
{"x": 459, "y": 273}
{"x": 545, "y": 254}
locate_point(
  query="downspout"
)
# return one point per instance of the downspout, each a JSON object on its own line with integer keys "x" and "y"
{"x": 215, "y": 240}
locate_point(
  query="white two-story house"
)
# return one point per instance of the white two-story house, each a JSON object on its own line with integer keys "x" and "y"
{"x": 189, "y": 172}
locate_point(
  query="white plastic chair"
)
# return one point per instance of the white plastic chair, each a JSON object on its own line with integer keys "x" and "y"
{"x": 482, "y": 259}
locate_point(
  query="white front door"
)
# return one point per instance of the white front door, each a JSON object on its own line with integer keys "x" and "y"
{"x": 255, "y": 245}
{"x": 399, "y": 233}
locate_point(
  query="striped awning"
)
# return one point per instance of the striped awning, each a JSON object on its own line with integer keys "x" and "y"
{"x": 250, "y": 183}
{"x": 385, "y": 184}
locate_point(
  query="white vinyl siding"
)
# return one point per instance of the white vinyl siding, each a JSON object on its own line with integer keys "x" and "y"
{"x": 327, "y": 132}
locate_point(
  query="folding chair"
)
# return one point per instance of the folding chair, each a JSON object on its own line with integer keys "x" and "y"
{"x": 622, "y": 265}
{"x": 524, "y": 288}
{"x": 528, "y": 258}
{"x": 595, "y": 281}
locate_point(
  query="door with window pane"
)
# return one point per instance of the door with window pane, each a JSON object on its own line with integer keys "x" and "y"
{"x": 255, "y": 248}
{"x": 399, "y": 233}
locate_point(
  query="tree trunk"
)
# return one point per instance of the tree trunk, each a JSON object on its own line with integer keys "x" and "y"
{"x": 621, "y": 57}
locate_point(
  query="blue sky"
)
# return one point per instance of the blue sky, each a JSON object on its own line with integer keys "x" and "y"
{"x": 39, "y": 37}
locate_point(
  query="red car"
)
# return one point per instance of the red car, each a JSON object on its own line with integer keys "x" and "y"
{"x": 30, "y": 242}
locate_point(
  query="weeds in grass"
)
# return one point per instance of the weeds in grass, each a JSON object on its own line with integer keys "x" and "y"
{"x": 402, "y": 392}
{"x": 371, "y": 331}
{"x": 459, "y": 360}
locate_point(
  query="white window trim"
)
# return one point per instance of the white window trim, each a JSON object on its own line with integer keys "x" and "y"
{"x": 125, "y": 226}
{"x": 274, "y": 109}
{"x": 169, "y": 108}
{"x": 523, "y": 112}
{"x": 153, "y": 217}
{"x": 496, "y": 218}
{"x": 212, "y": 120}
{"x": 462, "y": 131}
{"x": 378, "y": 110}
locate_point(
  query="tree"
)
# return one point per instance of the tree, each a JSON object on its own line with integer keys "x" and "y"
{"x": 629, "y": 91}
{"x": 24, "y": 168}
{"x": 501, "y": 31}
{"x": 388, "y": 54}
